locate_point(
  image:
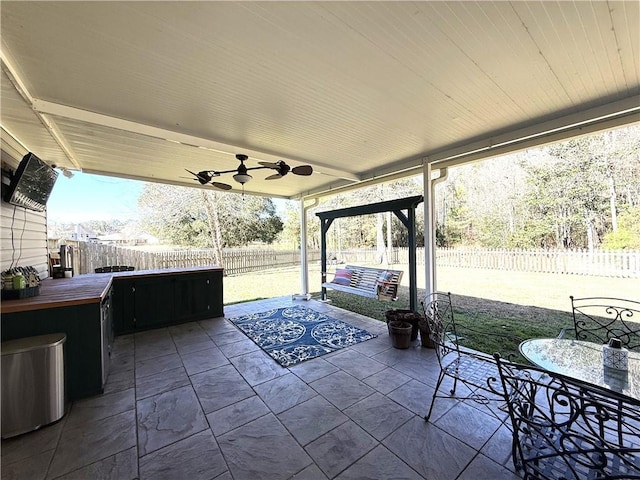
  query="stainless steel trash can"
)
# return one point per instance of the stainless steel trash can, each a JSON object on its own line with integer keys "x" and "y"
{"x": 33, "y": 393}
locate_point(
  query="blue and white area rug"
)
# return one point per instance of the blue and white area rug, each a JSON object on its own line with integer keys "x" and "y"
{"x": 294, "y": 334}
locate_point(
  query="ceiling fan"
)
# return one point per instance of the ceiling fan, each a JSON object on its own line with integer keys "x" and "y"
{"x": 242, "y": 176}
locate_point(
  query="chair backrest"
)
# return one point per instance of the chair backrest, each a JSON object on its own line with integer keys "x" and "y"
{"x": 438, "y": 312}
{"x": 565, "y": 428}
{"x": 598, "y": 319}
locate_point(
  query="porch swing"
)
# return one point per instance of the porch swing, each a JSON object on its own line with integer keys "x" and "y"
{"x": 368, "y": 281}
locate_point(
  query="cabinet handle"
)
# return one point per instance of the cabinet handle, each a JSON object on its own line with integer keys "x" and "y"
{"x": 207, "y": 281}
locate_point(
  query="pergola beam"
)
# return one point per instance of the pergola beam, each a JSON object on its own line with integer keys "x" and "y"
{"x": 396, "y": 206}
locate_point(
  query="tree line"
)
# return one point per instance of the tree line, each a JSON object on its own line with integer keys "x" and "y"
{"x": 581, "y": 193}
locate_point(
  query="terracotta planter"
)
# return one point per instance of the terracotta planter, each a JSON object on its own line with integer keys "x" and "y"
{"x": 400, "y": 334}
{"x": 408, "y": 316}
{"x": 425, "y": 339}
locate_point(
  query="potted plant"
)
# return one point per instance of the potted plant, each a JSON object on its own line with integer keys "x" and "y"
{"x": 400, "y": 333}
{"x": 408, "y": 316}
{"x": 425, "y": 333}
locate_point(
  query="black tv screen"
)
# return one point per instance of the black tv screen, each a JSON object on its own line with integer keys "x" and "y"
{"x": 32, "y": 183}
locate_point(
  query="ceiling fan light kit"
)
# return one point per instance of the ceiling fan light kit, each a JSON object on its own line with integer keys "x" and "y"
{"x": 242, "y": 176}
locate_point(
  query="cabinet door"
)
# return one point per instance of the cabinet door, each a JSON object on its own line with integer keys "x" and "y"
{"x": 153, "y": 302}
{"x": 198, "y": 296}
{"x": 122, "y": 306}
{"x": 191, "y": 297}
{"x": 216, "y": 299}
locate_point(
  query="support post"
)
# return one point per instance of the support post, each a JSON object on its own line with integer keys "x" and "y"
{"x": 413, "y": 276}
{"x": 429, "y": 185}
{"x": 325, "y": 223}
{"x": 429, "y": 230}
{"x": 304, "y": 259}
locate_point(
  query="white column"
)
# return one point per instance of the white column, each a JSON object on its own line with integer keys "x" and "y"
{"x": 429, "y": 229}
{"x": 304, "y": 264}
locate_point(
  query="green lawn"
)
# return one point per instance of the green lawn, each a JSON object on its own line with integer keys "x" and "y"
{"x": 520, "y": 305}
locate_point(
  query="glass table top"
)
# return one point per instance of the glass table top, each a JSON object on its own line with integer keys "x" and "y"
{"x": 583, "y": 360}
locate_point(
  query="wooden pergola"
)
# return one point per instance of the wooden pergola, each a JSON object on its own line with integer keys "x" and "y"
{"x": 397, "y": 206}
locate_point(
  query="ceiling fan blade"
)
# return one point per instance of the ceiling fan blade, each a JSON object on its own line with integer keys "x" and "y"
{"x": 202, "y": 177}
{"x": 275, "y": 176}
{"x": 302, "y": 170}
{"x": 221, "y": 186}
{"x": 269, "y": 164}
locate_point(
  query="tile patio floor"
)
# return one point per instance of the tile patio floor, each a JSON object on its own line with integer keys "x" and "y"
{"x": 202, "y": 401}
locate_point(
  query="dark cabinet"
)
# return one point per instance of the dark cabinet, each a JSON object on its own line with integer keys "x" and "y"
{"x": 122, "y": 306}
{"x": 83, "y": 350}
{"x": 197, "y": 297}
{"x": 160, "y": 300}
{"x": 152, "y": 302}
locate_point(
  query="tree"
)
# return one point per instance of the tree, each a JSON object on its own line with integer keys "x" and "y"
{"x": 574, "y": 191}
{"x": 205, "y": 218}
{"x": 290, "y": 234}
{"x": 367, "y": 231}
{"x": 627, "y": 235}
{"x": 567, "y": 195}
{"x": 480, "y": 203}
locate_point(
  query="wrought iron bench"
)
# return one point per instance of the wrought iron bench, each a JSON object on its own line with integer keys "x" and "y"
{"x": 598, "y": 319}
{"x": 367, "y": 282}
{"x": 565, "y": 428}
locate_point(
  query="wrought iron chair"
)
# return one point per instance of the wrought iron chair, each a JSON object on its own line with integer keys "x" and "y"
{"x": 476, "y": 371}
{"x": 598, "y": 319}
{"x": 566, "y": 429}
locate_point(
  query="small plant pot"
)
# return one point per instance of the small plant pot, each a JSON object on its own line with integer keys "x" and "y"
{"x": 425, "y": 334}
{"x": 408, "y": 316}
{"x": 400, "y": 334}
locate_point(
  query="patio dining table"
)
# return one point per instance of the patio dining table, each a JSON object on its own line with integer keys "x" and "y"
{"x": 583, "y": 360}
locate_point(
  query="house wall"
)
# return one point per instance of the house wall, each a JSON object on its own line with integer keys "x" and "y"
{"x": 23, "y": 232}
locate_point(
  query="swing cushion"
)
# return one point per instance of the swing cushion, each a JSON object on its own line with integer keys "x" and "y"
{"x": 365, "y": 281}
{"x": 342, "y": 276}
{"x": 385, "y": 277}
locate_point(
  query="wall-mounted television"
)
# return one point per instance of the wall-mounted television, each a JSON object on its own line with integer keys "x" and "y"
{"x": 31, "y": 184}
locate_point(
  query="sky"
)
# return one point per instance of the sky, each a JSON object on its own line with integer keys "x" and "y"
{"x": 93, "y": 197}
{"x": 85, "y": 197}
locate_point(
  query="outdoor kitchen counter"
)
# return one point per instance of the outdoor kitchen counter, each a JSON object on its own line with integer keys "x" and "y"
{"x": 84, "y": 289}
{"x": 90, "y": 309}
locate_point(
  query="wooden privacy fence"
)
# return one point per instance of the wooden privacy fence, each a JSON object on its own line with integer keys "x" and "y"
{"x": 607, "y": 263}
{"x": 89, "y": 256}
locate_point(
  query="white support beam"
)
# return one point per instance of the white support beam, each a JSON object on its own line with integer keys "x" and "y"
{"x": 8, "y": 66}
{"x": 55, "y": 109}
{"x": 613, "y": 115}
{"x": 592, "y": 120}
{"x": 12, "y": 145}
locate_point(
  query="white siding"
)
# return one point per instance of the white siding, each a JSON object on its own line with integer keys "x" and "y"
{"x": 23, "y": 233}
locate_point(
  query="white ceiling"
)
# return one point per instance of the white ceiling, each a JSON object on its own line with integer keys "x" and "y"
{"x": 358, "y": 90}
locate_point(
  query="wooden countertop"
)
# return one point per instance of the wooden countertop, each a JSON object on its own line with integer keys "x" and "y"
{"x": 83, "y": 289}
